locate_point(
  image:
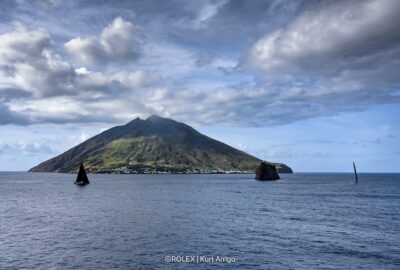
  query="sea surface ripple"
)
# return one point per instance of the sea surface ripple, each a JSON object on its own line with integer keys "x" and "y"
{"x": 303, "y": 221}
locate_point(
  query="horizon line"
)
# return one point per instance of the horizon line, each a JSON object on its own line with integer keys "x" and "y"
{"x": 294, "y": 172}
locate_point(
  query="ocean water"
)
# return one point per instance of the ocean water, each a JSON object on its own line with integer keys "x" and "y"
{"x": 303, "y": 221}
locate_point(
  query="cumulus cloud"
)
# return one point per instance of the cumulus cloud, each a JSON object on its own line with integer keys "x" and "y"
{"x": 323, "y": 59}
{"x": 119, "y": 41}
{"x": 333, "y": 58}
{"x": 29, "y": 64}
{"x": 334, "y": 35}
{"x": 38, "y": 86}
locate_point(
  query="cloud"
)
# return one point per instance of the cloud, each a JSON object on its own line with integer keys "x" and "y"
{"x": 83, "y": 109}
{"x": 30, "y": 65}
{"x": 139, "y": 78}
{"x": 45, "y": 4}
{"x": 333, "y": 58}
{"x": 9, "y": 117}
{"x": 242, "y": 147}
{"x": 4, "y": 147}
{"x": 25, "y": 147}
{"x": 244, "y": 106}
{"x": 119, "y": 41}
{"x": 38, "y": 86}
{"x": 207, "y": 11}
{"x": 204, "y": 59}
{"x": 34, "y": 147}
{"x": 334, "y": 35}
{"x": 303, "y": 60}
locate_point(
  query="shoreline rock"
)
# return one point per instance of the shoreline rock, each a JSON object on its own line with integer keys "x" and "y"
{"x": 267, "y": 172}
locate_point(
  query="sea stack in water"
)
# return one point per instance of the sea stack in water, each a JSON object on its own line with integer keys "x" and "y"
{"x": 266, "y": 171}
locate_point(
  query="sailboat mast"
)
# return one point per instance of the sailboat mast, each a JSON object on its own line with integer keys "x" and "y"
{"x": 355, "y": 172}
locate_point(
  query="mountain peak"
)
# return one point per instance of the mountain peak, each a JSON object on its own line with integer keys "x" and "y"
{"x": 154, "y": 144}
{"x": 151, "y": 118}
{"x": 134, "y": 121}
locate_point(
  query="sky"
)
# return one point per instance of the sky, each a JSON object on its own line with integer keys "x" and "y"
{"x": 313, "y": 84}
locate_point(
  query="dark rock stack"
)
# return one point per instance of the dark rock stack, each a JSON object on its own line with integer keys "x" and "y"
{"x": 266, "y": 171}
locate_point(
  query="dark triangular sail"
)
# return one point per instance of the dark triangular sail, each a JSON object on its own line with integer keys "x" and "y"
{"x": 82, "y": 177}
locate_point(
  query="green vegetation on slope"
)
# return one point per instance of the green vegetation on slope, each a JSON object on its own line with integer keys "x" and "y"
{"x": 154, "y": 144}
{"x": 154, "y": 151}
